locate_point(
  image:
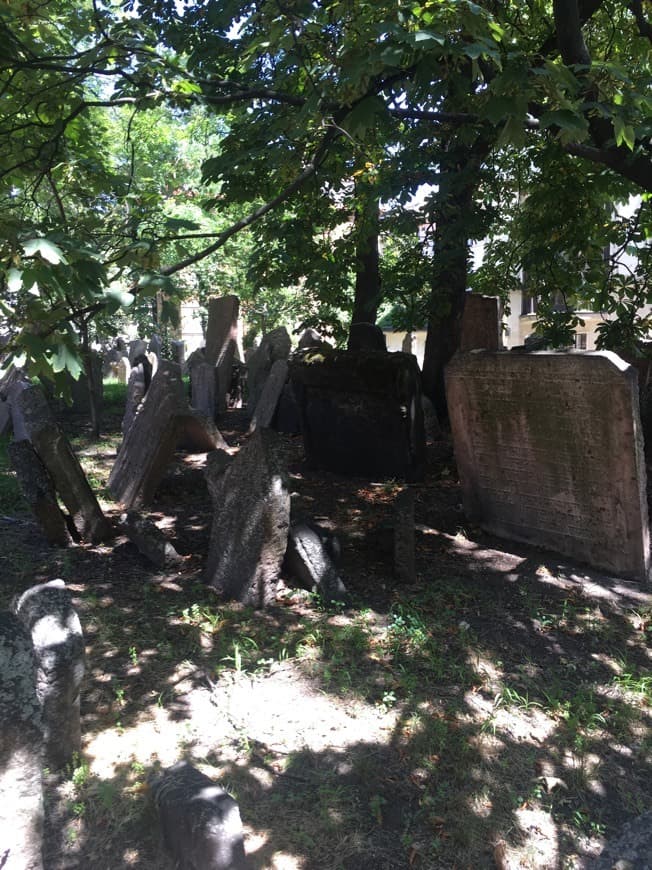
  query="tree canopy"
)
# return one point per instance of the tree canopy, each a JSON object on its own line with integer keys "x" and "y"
{"x": 302, "y": 118}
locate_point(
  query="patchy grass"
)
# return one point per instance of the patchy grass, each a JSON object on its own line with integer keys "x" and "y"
{"x": 497, "y": 704}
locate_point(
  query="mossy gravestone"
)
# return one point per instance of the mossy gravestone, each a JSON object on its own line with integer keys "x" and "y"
{"x": 549, "y": 451}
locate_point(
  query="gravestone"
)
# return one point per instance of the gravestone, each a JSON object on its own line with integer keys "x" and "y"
{"x": 404, "y": 536}
{"x": 199, "y": 820}
{"x": 480, "y": 323}
{"x": 79, "y": 389}
{"x": 21, "y": 751}
{"x": 36, "y": 487}
{"x": 250, "y": 523}
{"x": 274, "y": 346}
{"x": 361, "y": 412}
{"x": 56, "y": 454}
{"x": 10, "y": 378}
{"x": 288, "y": 416}
{"x": 13, "y": 391}
{"x": 204, "y": 389}
{"x": 221, "y": 343}
{"x": 137, "y": 348}
{"x": 48, "y": 614}
{"x": 163, "y": 420}
{"x": 178, "y": 352}
{"x": 155, "y": 345}
{"x": 270, "y": 396}
{"x": 310, "y": 338}
{"x": 549, "y": 452}
{"x": 135, "y": 395}
{"x": 149, "y": 539}
{"x": 308, "y": 560}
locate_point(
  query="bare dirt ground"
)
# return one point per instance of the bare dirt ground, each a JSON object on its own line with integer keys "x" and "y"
{"x": 495, "y": 713}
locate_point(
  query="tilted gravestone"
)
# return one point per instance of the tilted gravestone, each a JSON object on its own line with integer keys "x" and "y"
{"x": 480, "y": 323}
{"x": 47, "y": 612}
{"x": 308, "y": 560}
{"x": 366, "y": 336}
{"x": 251, "y": 520}
{"x": 274, "y": 346}
{"x": 56, "y": 454}
{"x": 21, "y": 751}
{"x": 361, "y": 412}
{"x": 549, "y": 452}
{"x": 149, "y": 539}
{"x": 270, "y": 396}
{"x": 199, "y": 820}
{"x": 221, "y": 344}
{"x": 36, "y": 486}
{"x": 164, "y": 419}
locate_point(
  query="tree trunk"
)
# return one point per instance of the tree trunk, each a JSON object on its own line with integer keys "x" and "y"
{"x": 368, "y": 292}
{"x": 91, "y": 385}
{"x": 459, "y": 175}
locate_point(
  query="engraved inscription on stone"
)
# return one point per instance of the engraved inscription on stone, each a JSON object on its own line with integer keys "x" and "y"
{"x": 549, "y": 451}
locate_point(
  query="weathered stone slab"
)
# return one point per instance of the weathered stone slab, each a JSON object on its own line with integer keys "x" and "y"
{"x": 404, "y": 537}
{"x": 308, "y": 560}
{"x": 149, "y": 539}
{"x": 36, "y": 486}
{"x": 274, "y": 346}
{"x": 480, "y": 323}
{"x": 47, "y": 612}
{"x": 137, "y": 348}
{"x": 80, "y": 390}
{"x": 136, "y": 390}
{"x": 288, "y": 416}
{"x": 56, "y": 454}
{"x": 310, "y": 338}
{"x": 549, "y": 452}
{"x": 250, "y": 523}
{"x": 204, "y": 389}
{"x": 164, "y": 418}
{"x": 13, "y": 392}
{"x": 222, "y": 343}
{"x": 199, "y": 820}
{"x": 270, "y": 396}
{"x": 361, "y": 412}
{"x": 21, "y": 751}
{"x": 178, "y": 351}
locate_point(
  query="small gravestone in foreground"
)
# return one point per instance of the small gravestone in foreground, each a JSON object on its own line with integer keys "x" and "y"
{"x": 308, "y": 560}
{"x": 199, "y": 820}
{"x": 549, "y": 452}
{"x": 270, "y": 396}
{"x": 274, "y": 346}
{"x": 21, "y": 751}
{"x": 47, "y": 612}
{"x": 251, "y": 520}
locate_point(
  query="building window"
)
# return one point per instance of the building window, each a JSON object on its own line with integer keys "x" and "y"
{"x": 580, "y": 341}
{"x": 528, "y": 304}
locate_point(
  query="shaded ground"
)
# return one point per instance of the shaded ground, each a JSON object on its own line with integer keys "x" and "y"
{"x": 496, "y": 713}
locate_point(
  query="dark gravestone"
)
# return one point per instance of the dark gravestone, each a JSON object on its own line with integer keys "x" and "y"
{"x": 80, "y": 390}
{"x": 361, "y": 412}
{"x": 549, "y": 452}
{"x": 222, "y": 343}
{"x": 36, "y": 486}
{"x": 288, "y": 416}
{"x": 250, "y": 523}
{"x": 137, "y": 349}
{"x": 404, "y": 536}
{"x": 480, "y": 323}
{"x": 163, "y": 421}
{"x": 204, "y": 389}
{"x": 307, "y": 560}
{"x": 178, "y": 352}
{"x": 21, "y": 751}
{"x": 270, "y": 396}
{"x": 366, "y": 336}
{"x": 8, "y": 389}
{"x": 274, "y": 346}
{"x": 149, "y": 540}
{"x": 13, "y": 393}
{"x": 310, "y": 338}
{"x": 47, "y": 613}
{"x": 56, "y": 454}
{"x": 200, "y": 822}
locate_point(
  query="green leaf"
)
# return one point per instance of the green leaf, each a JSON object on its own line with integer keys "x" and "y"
{"x": 122, "y": 298}
{"x": 624, "y": 133}
{"x": 47, "y": 249}
{"x": 64, "y": 357}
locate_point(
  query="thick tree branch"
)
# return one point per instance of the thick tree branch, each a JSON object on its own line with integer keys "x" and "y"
{"x": 635, "y": 167}
{"x": 644, "y": 26}
{"x": 570, "y": 40}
